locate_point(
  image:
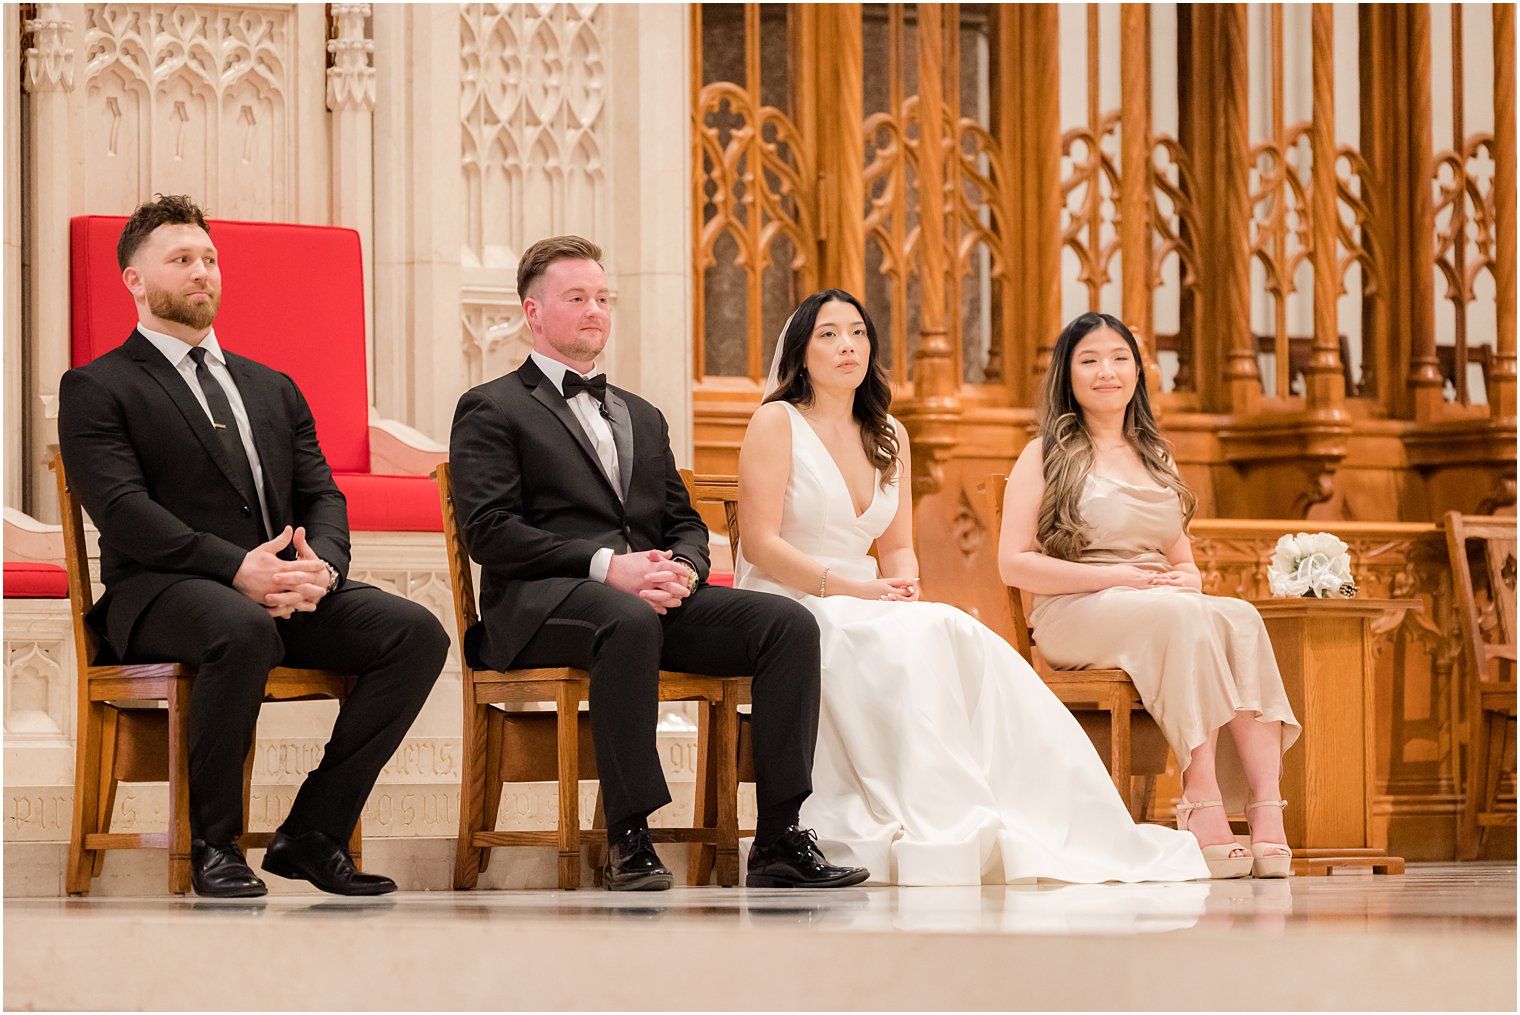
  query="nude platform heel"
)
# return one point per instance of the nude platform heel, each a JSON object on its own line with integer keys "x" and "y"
{"x": 1262, "y": 864}
{"x": 1221, "y": 863}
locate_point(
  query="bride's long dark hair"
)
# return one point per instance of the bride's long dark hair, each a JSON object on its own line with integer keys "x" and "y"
{"x": 872, "y": 398}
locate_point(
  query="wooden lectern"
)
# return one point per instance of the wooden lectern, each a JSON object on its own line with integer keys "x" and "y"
{"x": 1324, "y": 650}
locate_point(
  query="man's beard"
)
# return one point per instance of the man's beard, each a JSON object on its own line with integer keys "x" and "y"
{"x": 179, "y": 309}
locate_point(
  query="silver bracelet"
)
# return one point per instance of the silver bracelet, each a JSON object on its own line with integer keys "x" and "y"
{"x": 823, "y": 583}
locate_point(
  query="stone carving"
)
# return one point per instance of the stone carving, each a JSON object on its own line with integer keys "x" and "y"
{"x": 351, "y": 73}
{"x": 202, "y": 92}
{"x": 49, "y": 57}
{"x": 532, "y": 113}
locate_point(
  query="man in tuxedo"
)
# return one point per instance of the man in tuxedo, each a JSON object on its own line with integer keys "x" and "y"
{"x": 593, "y": 556}
{"x": 224, "y": 546}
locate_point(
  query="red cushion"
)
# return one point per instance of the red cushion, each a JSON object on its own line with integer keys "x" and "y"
{"x": 721, "y": 578}
{"x": 391, "y": 503}
{"x": 35, "y": 581}
{"x": 292, "y": 298}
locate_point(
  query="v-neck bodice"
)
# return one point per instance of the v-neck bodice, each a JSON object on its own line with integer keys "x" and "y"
{"x": 818, "y": 516}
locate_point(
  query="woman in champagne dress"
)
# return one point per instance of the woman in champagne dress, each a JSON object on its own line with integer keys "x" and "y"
{"x": 1095, "y": 525}
{"x": 942, "y": 759}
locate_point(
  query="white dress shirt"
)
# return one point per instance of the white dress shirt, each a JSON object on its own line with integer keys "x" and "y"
{"x": 178, "y": 355}
{"x": 588, "y": 413}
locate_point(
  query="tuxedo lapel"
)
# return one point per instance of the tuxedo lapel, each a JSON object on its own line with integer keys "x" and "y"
{"x": 545, "y": 392}
{"x": 622, "y": 437}
{"x": 159, "y": 368}
{"x": 260, "y": 414}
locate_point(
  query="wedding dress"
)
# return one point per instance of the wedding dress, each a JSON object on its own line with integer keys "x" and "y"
{"x": 942, "y": 758}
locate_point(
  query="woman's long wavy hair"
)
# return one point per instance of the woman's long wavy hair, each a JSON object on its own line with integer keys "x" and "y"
{"x": 872, "y": 399}
{"x": 1068, "y": 447}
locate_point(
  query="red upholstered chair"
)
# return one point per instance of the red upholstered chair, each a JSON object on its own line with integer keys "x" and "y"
{"x": 293, "y": 299}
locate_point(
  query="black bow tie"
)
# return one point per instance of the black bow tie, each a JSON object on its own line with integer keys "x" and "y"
{"x": 596, "y": 387}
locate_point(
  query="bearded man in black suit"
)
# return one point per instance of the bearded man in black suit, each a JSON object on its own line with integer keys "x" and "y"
{"x": 593, "y": 556}
{"x": 224, "y": 546}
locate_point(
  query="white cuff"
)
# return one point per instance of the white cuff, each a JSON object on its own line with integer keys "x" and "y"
{"x": 601, "y": 560}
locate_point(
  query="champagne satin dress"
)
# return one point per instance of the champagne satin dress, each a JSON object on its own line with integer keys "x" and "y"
{"x": 1196, "y": 659}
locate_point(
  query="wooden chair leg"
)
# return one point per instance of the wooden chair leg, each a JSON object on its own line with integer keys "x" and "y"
{"x": 567, "y": 724}
{"x": 1145, "y": 796}
{"x": 1498, "y": 737}
{"x": 596, "y": 854}
{"x": 81, "y": 862}
{"x": 472, "y": 791}
{"x": 108, "y": 734}
{"x": 1477, "y": 778}
{"x": 1119, "y": 746}
{"x": 496, "y": 732}
{"x": 704, "y": 804}
{"x": 179, "y": 786}
{"x": 725, "y": 744}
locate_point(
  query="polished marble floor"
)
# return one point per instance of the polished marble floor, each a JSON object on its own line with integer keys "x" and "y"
{"x": 1441, "y": 937}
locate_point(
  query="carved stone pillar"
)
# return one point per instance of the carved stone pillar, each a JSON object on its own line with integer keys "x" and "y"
{"x": 648, "y": 248}
{"x": 48, "y": 80}
{"x": 351, "y": 100}
{"x": 419, "y": 216}
{"x": 15, "y": 348}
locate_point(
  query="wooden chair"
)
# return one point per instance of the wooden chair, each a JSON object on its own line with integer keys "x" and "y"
{"x": 1134, "y": 749}
{"x": 122, "y": 740}
{"x": 717, "y": 490}
{"x": 1485, "y": 597}
{"x": 502, "y": 746}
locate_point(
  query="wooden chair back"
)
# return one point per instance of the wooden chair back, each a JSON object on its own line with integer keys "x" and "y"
{"x": 501, "y": 746}
{"x": 1485, "y": 595}
{"x": 461, "y": 579}
{"x": 996, "y": 487}
{"x": 716, "y": 489}
{"x": 76, "y": 564}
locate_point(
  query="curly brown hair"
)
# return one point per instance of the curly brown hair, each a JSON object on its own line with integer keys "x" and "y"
{"x": 164, "y": 209}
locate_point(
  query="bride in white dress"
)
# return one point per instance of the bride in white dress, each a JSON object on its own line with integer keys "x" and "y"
{"x": 942, "y": 758}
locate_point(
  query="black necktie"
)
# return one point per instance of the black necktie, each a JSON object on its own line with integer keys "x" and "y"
{"x": 227, "y": 429}
{"x": 596, "y": 387}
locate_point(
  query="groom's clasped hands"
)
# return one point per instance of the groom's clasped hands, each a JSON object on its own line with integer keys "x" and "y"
{"x": 652, "y": 576}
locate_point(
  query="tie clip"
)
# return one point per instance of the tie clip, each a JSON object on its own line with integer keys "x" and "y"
{"x": 219, "y": 426}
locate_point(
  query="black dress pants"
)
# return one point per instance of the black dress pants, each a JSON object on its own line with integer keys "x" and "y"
{"x": 395, "y": 647}
{"x": 722, "y": 632}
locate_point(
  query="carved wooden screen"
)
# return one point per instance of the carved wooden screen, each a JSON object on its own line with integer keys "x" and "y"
{"x": 755, "y": 192}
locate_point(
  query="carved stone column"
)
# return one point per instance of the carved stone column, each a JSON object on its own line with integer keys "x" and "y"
{"x": 48, "y": 80}
{"x": 648, "y": 248}
{"x": 419, "y": 216}
{"x": 351, "y": 100}
{"x": 15, "y": 348}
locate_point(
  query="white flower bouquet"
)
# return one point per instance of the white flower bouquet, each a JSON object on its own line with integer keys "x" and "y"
{"x": 1315, "y": 565}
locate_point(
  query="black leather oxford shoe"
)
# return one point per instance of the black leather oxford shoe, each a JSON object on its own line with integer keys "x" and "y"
{"x": 322, "y": 860}
{"x": 795, "y": 861}
{"x": 633, "y": 865}
{"x": 220, "y": 872}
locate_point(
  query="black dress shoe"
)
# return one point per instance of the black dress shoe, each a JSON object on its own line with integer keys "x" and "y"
{"x": 220, "y": 872}
{"x": 795, "y": 861}
{"x": 633, "y": 865}
{"x": 322, "y": 860}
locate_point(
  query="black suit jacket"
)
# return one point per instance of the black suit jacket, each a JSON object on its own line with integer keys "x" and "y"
{"x": 146, "y": 464}
{"x": 534, "y": 505}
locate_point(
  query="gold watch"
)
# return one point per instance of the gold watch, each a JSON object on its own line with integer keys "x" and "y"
{"x": 693, "y": 581}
